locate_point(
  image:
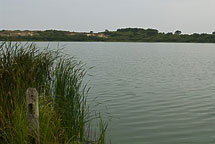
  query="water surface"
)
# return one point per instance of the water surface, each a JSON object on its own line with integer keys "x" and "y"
{"x": 157, "y": 93}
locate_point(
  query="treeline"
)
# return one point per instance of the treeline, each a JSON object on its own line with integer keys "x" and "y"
{"x": 50, "y": 35}
{"x": 121, "y": 35}
{"x": 153, "y": 35}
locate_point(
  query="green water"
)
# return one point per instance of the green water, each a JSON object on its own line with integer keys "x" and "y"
{"x": 156, "y": 93}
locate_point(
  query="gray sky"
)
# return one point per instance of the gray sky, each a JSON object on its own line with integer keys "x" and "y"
{"x": 188, "y": 16}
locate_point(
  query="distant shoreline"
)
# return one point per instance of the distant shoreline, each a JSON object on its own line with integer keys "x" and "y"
{"x": 120, "y": 35}
{"x": 110, "y": 42}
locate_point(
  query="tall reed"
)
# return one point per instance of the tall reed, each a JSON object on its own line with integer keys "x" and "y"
{"x": 64, "y": 114}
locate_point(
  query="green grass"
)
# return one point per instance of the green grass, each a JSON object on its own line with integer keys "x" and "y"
{"x": 64, "y": 114}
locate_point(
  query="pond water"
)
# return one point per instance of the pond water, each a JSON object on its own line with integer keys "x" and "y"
{"x": 156, "y": 93}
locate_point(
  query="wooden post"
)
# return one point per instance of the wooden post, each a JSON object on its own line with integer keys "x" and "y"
{"x": 33, "y": 115}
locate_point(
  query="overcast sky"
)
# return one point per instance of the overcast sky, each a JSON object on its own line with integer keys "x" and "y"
{"x": 189, "y": 16}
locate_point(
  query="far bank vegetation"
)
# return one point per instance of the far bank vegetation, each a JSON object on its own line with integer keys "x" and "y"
{"x": 120, "y": 35}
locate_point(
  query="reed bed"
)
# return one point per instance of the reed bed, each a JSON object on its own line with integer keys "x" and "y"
{"x": 64, "y": 114}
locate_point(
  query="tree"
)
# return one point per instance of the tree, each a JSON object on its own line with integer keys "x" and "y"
{"x": 213, "y": 33}
{"x": 169, "y": 33}
{"x": 151, "y": 32}
{"x": 178, "y": 32}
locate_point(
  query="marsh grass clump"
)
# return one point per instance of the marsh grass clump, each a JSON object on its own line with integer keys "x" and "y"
{"x": 64, "y": 114}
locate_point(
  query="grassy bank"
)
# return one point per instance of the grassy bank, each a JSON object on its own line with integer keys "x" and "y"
{"x": 64, "y": 114}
